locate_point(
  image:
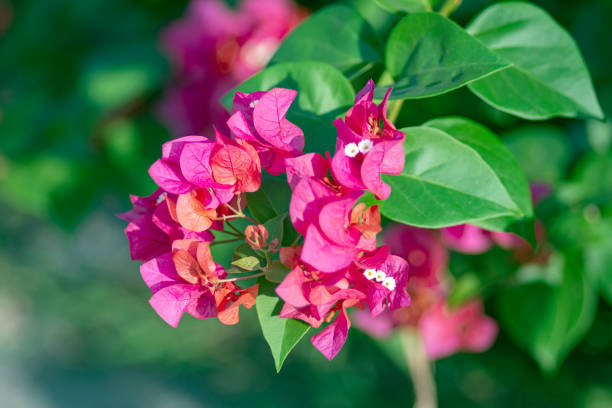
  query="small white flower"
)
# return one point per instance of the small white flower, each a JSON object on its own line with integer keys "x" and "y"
{"x": 252, "y": 104}
{"x": 161, "y": 198}
{"x": 389, "y": 283}
{"x": 365, "y": 146}
{"x": 370, "y": 273}
{"x": 380, "y": 276}
{"x": 351, "y": 150}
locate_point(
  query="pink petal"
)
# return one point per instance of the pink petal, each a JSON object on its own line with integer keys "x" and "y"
{"x": 366, "y": 93}
{"x": 334, "y": 219}
{"x": 171, "y": 151}
{"x": 291, "y": 290}
{"x": 172, "y": 301}
{"x": 159, "y": 273}
{"x": 308, "y": 196}
{"x": 305, "y": 165}
{"x": 169, "y": 178}
{"x": 195, "y": 164}
{"x": 385, "y": 157}
{"x": 270, "y": 123}
{"x": 324, "y": 255}
{"x": 332, "y": 338}
{"x": 146, "y": 240}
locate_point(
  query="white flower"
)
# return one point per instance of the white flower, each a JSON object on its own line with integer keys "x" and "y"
{"x": 389, "y": 283}
{"x": 351, "y": 150}
{"x": 365, "y": 146}
{"x": 161, "y": 198}
{"x": 252, "y": 104}
{"x": 380, "y": 276}
{"x": 370, "y": 273}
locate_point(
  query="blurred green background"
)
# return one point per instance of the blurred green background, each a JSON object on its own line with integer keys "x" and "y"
{"x": 79, "y": 83}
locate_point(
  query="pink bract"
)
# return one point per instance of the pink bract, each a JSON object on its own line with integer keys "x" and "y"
{"x": 382, "y": 151}
{"x": 260, "y": 119}
{"x": 446, "y": 331}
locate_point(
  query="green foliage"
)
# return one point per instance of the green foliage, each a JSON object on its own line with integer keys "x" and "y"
{"x": 549, "y": 314}
{"x": 407, "y": 6}
{"x": 354, "y": 42}
{"x": 428, "y": 55}
{"x": 548, "y": 76}
{"x": 454, "y": 178}
{"x": 281, "y": 334}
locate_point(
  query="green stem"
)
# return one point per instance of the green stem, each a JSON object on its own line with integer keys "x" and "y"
{"x": 420, "y": 369}
{"x": 227, "y": 241}
{"x": 255, "y": 275}
{"x": 238, "y": 232}
{"x": 449, "y": 6}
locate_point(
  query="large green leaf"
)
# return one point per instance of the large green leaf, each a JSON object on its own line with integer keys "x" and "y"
{"x": 548, "y": 77}
{"x": 337, "y": 35}
{"x": 281, "y": 334}
{"x": 428, "y": 54}
{"x": 447, "y": 181}
{"x": 549, "y": 320}
{"x": 406, "y": 6}
{"x": 324, "y": 94}
{"x": 503, "y": 163}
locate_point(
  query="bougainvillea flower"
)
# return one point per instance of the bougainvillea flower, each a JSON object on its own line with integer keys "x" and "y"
{"x": 213, "y": 48}
{"x": 446, "y": 331}
{"x": 331, "y": 339}
{"x": 256, "y": 236}
{"x": 235, "y": 163}
{"x": 467, "y": 238}
{"x": 332, "y": 239}
{"x": 259, "y": 118}
{"x": 305, "y": 165}
{"x": 172, "y": 295}
{"x": 229, "y": 299}
{"x": 146, "y": 240}
{"x": 423, "y": 250}
{"x": 371, "y": 276}
{"x": 368, "y": 145}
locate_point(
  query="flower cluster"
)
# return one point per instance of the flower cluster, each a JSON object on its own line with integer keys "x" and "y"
{"x": 202, "y": 183}
{"x": 212, "y": 49}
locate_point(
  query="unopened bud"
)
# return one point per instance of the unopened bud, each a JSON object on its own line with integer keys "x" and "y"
{"x": 256, "y": 236}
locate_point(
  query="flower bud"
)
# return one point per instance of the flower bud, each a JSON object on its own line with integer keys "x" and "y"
{"x": 256, "y": 236}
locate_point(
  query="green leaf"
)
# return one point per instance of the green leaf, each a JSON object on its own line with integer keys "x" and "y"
{"x": 542, "y": 151}
{"x": 548, "y": 77}
{"x": 248, "y": 263}
{"x": 407, "y": 6}
{"x": 276, "y": 272}
{"x": 271, "y": 199}
{"x": 428, "y": 55}
{"x": 275, "y": 227}
{"x": 549, "y": 320}
{"x": 354, "y": 42}
{"x": 281, "y": 334}
{"x": 447, "y": 181}
{"x": 324, "y": 94}
{"x": 503, "y": 163}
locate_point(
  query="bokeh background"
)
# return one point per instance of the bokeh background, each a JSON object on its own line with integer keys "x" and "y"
{"x": 80, "y": 83}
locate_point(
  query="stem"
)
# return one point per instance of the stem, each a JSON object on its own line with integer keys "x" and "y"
{"x": 448, "y": 7}
{"x": 296, "y": 240}
{"x": 255, "y": 275}
{"x": 240, "y": 214}
{"x": 240, "y": 234}
{"x": 226, "y": 241}
{"x": 420, "y": 369}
